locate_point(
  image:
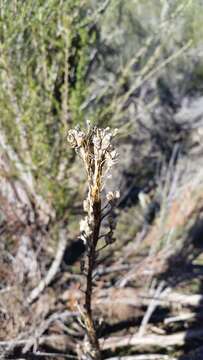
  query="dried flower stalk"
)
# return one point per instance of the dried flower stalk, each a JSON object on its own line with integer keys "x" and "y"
{"x": 94, "y": 146}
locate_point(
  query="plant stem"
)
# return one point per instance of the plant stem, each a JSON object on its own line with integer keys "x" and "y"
{"x": 98, "y": 155}
{"x": 96, "y": 353}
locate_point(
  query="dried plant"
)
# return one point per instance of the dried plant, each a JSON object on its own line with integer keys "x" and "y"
{"x": 94, "y": 146}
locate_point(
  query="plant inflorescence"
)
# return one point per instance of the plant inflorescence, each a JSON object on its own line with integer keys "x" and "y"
{"x": 94, "y": 146}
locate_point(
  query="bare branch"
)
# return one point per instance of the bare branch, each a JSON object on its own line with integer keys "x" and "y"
{"x": 144, "y": 357}
{"x": 148, "y": 341}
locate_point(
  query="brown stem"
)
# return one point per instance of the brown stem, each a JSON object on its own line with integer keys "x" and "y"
{"x": 91, "y": 331}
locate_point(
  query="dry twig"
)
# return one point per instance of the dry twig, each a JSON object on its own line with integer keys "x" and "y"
{"x": 148, "y": 341}
{"x": 144, "y": 357}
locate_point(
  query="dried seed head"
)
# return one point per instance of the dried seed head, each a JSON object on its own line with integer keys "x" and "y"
{"x": 71, "y": 138}
{"x": 85, "y": 227}
{"x": 86, "y": 205}
{"x": 113, "y": 196}
{"x": 95, "y": 148}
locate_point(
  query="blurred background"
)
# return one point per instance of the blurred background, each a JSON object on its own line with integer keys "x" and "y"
{"x": 132, "y": 65}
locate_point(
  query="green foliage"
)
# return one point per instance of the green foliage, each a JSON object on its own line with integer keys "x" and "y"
{"x": 48, "y": 78}
{"x": 78, "y": 91}
{"x": 43, "y": 60}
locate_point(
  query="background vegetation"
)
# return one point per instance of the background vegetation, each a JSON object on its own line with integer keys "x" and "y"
{"x": 134, "y": 65}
